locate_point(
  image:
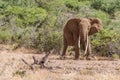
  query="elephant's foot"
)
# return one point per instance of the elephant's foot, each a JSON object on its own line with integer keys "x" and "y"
{"x": 76, "y": 58}
{"x": 62, "y": 57}
{"x": 91, "y": 58}
{"x": 88, "y": 58}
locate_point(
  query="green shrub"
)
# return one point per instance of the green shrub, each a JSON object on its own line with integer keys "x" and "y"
{"x": 49, "y": 40}
{"x": 39, "y": 23}
{"x": 56, "y": 6}
{"x": 25, "y": 17}
{"x": 102, "y": 42}
{"x": 115, "y": 56}
{"x": 97, "y": 4}
{"x": 5, "y": 36}
{"x": 108, "y": 6}
{"x": 72, "y": 4}
{"x": 22, "y": 3}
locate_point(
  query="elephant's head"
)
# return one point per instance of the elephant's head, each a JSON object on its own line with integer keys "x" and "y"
{"x": 96, "y": 25}
{"x": 88, "y": 27}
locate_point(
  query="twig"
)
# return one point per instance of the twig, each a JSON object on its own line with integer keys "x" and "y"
{"x": 31, "y": 67}
{"x": 40, "y": 62}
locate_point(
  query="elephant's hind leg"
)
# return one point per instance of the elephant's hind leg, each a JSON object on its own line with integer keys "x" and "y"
{"x": 64, "y": 48}
{"x": 76, "y": 46}
{"x": 76, "y": 52}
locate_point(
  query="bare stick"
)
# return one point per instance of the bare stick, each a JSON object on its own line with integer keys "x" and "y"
{"x": 40, "y": 62}
{"x": 27, "y": 64}
{"x": 35, "y": 61}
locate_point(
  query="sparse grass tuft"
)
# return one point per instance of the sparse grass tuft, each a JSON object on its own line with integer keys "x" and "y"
{"x": 20, "y": 73}
{"x": 115, "y": 56}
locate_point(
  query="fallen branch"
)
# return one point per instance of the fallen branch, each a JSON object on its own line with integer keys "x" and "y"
{"x": 40, "y": 62}
{"x": 27, "y": 64}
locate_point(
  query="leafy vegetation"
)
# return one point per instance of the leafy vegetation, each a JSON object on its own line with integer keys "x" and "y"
{"x": 109, "y": 6}
{"x": 39, "y": 23}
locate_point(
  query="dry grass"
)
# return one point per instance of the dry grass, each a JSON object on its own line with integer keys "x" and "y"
{"x": 44, "y": 75}
{"x": 12, "y": 68}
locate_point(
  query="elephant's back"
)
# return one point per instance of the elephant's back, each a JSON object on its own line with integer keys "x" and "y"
{"x": 70, "y": 29}
{"x": 72, "y": 25}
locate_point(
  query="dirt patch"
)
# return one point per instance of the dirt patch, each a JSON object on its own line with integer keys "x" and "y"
{"x": 12, "y": 68}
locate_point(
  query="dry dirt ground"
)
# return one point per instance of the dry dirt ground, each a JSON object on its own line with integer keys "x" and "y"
{"x": 12, "y": 67}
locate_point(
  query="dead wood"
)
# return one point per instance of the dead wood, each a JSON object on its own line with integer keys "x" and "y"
{"x": 40, "y": 62}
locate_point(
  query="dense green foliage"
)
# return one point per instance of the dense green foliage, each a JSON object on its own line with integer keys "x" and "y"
{"x": 39, "y": 23}
{"x": 109, "y": 6}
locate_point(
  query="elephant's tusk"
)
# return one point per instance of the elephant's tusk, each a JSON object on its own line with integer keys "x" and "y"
{"x": 86, "y": 46}
{"x": 79, "y": 42}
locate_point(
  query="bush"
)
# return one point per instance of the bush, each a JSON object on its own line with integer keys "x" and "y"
{"x": 5, "y": 36}
{"x": 102, "y": 42}
{"x": 109, "y": 6}
{"x": 72, "y": 4}
{"x": 48, "y": 40}
{"x": 115, "y": 56}
{"x": 39, "y": 23}
{"x": 25, "y": 17}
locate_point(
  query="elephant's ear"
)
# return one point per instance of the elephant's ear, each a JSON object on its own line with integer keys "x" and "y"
{"x": 96, "y": 25}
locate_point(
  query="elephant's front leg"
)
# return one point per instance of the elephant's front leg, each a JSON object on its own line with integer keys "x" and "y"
{"x": 88, "y": 50}
{"x": 75, "y": 37}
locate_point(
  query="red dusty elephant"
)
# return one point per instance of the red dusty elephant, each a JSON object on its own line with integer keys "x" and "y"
{"x": 77, "y": 32}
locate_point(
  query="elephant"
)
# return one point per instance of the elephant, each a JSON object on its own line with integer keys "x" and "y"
{"x": 77, "y": 32}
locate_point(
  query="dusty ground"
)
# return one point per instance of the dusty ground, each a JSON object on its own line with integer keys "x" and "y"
{"x": 12, "y": 67}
